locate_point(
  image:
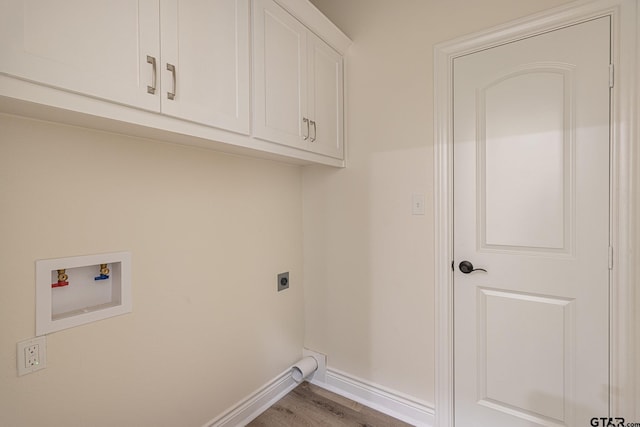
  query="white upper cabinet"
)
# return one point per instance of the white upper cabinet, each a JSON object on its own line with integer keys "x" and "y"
{"x": 205, "y": 62}
{"x": 298, "y": 84}
{"x": 280, "y": 74}
{"x": 110, "y": 49}
{"x": 326, "y": 99}
{"x": 97, "y": 48}
{"x": 180, "y": 71}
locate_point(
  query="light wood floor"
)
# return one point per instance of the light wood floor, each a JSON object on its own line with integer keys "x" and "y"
{"x": 309, "y": 406}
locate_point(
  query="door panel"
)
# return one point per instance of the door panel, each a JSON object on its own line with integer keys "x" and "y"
{"x": 208, "y": 43}
{"x": 526, "y": 130}
{"x": 524, "y": 384}
{"x": 531, "y": 206}
{"x": 326, "y": 95}
{"x": 97, "y": 48}
{"x": 280, "y": 75}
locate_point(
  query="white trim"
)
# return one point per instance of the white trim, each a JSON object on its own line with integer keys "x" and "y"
{"x": 249, "y": 408}
{"x": 34, "y": 101}
{"x": 624, "y": 121}
{"x": 312, "y": 18}
{"x": 389, "y": 402}
{"x": 624, "y": 400}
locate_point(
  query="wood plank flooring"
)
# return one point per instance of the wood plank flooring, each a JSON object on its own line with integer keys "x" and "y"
{"x": 309, "y": 406}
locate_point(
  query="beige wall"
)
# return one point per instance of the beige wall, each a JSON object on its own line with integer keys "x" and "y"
{"x": 369, "y": 287}
{"x": 208, "y": 233}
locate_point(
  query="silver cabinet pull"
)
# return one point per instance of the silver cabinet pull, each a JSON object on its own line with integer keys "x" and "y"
{"x": 315, "y": 131}
{"x": 170, "y": 67}
{"x": 305, "y": 120}
{"x": 152, "y": 89}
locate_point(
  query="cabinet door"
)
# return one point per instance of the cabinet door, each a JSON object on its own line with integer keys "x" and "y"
{"x": 280, "y": 75}
{"x": 326, "y": 95}
{"x": 207, "y": 44}
{"x": 98, "y": 48}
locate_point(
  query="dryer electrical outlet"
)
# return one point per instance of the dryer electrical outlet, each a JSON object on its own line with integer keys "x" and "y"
{"x": 283, "y": 281}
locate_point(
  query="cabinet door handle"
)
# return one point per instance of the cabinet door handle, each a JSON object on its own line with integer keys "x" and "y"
{"x": 315, "y": 131}
{"x": 152, "y": 89}
{"x": 305, "y": 120}
{"x": 171, "y": 95}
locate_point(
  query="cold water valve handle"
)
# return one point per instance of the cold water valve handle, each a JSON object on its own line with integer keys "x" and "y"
{"x": 104, "y": 273}
{"x": 466, "y": 267}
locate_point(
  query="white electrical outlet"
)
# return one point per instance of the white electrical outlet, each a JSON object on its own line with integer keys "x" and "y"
{"x": 31, "y": 355}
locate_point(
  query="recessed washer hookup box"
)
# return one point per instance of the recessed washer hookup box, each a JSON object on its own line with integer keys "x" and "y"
{"x": 78, "y": 290}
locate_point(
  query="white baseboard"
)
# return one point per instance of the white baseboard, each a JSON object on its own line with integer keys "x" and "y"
{"x": 249, "y": 408}
{"x": 392, "y": 403}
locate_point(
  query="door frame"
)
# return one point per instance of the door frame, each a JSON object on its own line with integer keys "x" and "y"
{"x": 625, "y": 15}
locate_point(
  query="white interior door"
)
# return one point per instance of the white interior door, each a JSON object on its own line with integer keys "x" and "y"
{"x": 531, "y": 206}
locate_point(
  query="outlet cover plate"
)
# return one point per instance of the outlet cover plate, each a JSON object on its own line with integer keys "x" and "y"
{"x": 31, "y": 355}
{"x": 283, "y": 281}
